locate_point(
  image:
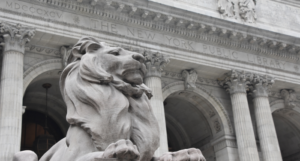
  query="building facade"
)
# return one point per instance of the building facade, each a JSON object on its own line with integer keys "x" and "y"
{"x": 224, "y": 73}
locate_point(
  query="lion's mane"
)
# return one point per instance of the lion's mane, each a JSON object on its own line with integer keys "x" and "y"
{"x": 108, "y": 110}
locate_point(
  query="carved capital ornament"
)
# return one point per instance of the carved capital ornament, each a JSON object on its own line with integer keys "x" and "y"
{"x": 15, "y": 36}
{"x": 155, "y": 63}
{"x": 260, "y": 85}
{"x": 236, "y": 81}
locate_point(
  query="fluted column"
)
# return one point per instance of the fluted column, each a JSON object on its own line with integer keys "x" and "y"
{"x": 155, "y": 63}
{"x": 11, "y": 88}
{"x": 236, "y": 83}
{"x": 265, "y": 124}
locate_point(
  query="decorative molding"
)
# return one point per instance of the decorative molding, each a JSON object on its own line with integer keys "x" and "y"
{"x": 289, "y": 97}
{"x": 43, "y": 50}
{"x": 212, "y": 113}
{"x": 15, "y": 36}
{"x": 38, "y": 65}
{"x": 217, "y": 126}
{"x": 178, "y": 76}
{"x": 275, "y": 94}
{"x": 231, "y": 39}
{"x": 189, "y": 78}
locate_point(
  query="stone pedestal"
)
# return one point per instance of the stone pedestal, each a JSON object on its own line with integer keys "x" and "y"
{"x": 155, "y": 63}
{"x": 236, "y": 83}
{"x": 265, "y": 124}
{"x": 225, "y": 149}
{"x": 11, "y": 89}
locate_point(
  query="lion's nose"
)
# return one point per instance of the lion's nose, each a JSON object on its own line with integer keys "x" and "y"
{"x": 138, "y": 57}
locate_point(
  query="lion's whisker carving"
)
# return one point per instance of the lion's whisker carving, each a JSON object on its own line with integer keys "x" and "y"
{"x": 108, "y": 108}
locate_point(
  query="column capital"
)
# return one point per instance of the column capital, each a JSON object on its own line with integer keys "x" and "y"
{"x": 260, "y": 85}
{"x": 155, "y": 63}
{"x": 236, "y": 81}
{"x": 15, "y": 36}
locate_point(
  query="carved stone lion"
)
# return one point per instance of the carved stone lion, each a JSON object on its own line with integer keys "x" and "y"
{"x": 108, "y": 108}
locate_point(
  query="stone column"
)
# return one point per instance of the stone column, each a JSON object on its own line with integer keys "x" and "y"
{"x": 265, "y": 124}
{"x": 155, "y": 63}
{"x": 236, "y": 83}
{"x": 11, "y": 88}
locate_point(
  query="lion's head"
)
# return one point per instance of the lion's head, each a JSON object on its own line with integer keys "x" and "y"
{"x": 103, "y": 83}
{"x": 104, "y": 64}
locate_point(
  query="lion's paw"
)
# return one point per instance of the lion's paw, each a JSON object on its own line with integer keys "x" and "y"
{"x": 122, "y": 149}
{"x": 191, "y": 154}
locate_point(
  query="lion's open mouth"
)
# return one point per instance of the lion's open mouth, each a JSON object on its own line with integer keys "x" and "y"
{"x": 134, "y": 71}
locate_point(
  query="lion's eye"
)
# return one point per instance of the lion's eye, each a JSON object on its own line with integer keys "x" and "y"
{"x": 114, "y": 52}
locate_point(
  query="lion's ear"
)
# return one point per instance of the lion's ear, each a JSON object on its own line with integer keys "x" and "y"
{"x": 93, "y": 47}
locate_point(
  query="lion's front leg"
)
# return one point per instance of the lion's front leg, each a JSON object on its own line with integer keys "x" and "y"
{"x": 122, "y": 149}
{"x": 191, "y": 154}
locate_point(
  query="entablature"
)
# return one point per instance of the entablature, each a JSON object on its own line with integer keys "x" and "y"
{"x": 60, "y": 23}
{"x": 156, "y": 17}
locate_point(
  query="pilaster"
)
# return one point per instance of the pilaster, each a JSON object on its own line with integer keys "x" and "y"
{"x": 155, "y": 62}
{"x": 11, "y": 88}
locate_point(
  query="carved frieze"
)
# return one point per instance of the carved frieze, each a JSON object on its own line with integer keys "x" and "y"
{"x": 247, "y": 10}
{"x": 289, "y": 97}
{"x": 43, "y": 50}
{"x": 189, "y": 78}
{"x": 199, "y": 80}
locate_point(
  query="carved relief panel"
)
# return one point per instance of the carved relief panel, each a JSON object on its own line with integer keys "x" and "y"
{"x": 243, "y": 9}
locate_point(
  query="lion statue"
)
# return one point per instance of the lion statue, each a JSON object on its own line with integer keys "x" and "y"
{"x": 108, "y": 109}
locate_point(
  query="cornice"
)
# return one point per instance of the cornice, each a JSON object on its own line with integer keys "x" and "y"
{"x": 175, "y": 24}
